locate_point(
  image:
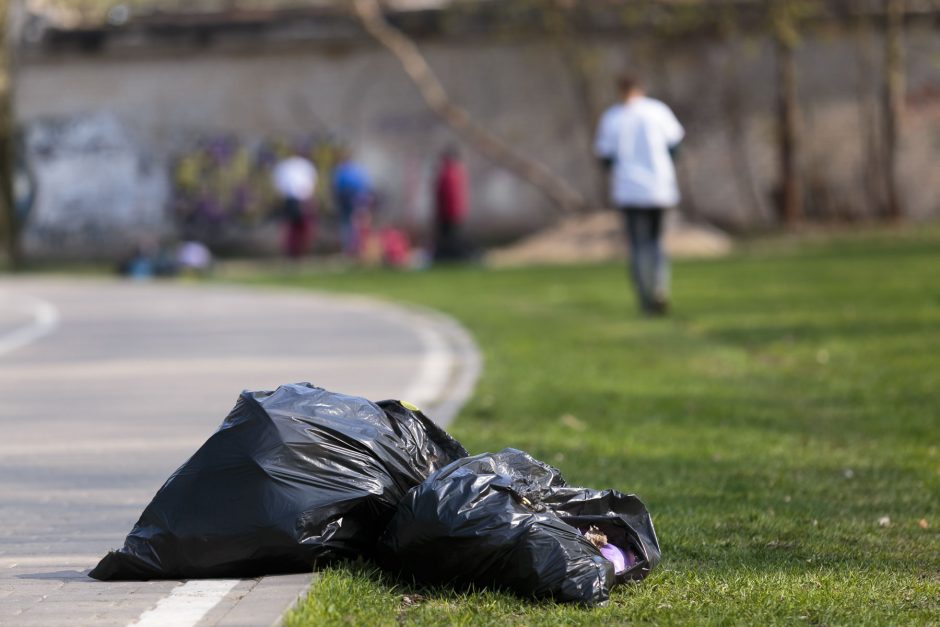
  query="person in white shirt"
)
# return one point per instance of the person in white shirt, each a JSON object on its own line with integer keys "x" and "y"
{"x": 637, "y": 141}
{"x": 295, "y": 180}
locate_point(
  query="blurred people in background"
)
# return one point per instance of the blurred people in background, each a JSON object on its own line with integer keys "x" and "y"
{"x": 377, "y": 242}
{"x": 193, "y": 258}
{"x": 148, "y": 259}
{"x": 636, "y": 141}
{"x": 396, "y": 249}
{"x": 352, "y": 194}
{"x": 151, "y": 258}
{"x": 450, "y": 207}
{"x": 295, "y": 180}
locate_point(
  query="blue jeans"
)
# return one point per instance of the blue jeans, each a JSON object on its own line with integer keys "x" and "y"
{"x": 649, "y": 266}
{"x": 347, "y": 229}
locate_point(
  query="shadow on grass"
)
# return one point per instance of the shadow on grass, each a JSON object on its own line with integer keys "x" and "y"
{"x": 778, "y": 568}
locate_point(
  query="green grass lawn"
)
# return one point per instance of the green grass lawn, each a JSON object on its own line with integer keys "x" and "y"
{"x": 791, "y": 401}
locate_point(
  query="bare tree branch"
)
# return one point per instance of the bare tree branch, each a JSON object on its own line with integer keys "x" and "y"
{"x": 481, "y": 139}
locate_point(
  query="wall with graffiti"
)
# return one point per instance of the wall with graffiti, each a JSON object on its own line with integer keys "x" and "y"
{"x": 91, "y": 188}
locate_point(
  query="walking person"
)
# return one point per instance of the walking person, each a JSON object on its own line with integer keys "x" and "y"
{"x": 636, "y": 141}
{"x": 352, "y": 193}
{"x": 295, "y": 179}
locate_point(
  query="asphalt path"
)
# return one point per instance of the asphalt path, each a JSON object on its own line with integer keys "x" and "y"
{"x": 107, "y": 386}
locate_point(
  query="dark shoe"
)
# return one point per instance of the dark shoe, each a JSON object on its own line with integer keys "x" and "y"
{"x": 658, "y": 308}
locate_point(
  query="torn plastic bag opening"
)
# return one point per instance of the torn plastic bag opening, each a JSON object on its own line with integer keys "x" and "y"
{"x": 510, "y": 521}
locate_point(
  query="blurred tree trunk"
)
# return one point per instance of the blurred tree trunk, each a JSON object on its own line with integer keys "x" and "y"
{"x": 9, "y": 223}
{"x": 736, "y": 118}
{"x": 481, "y": 139}
{"x": 581, "y": 66}
{"x": 561, "y": 19}
{"x": 870, "y": 174}
{"x": 788, "y": 113}
{"x": 659, "y": 66}
{"x": 893, "y": 109}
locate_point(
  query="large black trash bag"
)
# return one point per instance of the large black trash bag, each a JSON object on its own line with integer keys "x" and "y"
{"x": 291, "y": 476}
{"x": 509, "y": 521}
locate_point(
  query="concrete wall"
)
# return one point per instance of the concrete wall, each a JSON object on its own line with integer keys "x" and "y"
{"x": 722, "y": 92}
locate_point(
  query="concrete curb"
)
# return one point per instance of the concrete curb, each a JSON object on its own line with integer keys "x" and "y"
{"x": 466, "y": 367}
{"x": 259, "y": 602}
{"x": 463, "y": 363}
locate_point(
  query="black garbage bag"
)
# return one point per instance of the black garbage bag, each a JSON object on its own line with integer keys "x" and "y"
{"x": 509, "y": 521}
{"x": 290, "y": 477}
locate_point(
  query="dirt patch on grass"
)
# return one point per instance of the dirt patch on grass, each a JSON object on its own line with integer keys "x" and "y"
{"x": 599, "y": 237}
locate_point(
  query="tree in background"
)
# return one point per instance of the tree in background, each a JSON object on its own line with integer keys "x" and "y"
{"x": 786, "y": 38}
{"x": 733, "y": 108}
{"x": 870, "y": 175}
{"x": 561, "y": 21}
{"x": 565, "y": 196}
{"x": 893, "y": 106}
{"x": 9, "y": 222}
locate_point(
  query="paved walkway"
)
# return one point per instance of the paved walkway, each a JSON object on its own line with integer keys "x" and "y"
{"x": 106, "y": 387}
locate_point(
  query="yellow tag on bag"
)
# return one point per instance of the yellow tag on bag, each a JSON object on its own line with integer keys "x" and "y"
{"x": 409, "y": 406}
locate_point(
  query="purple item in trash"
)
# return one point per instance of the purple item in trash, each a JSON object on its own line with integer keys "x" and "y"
{"x": 620, "y": 559}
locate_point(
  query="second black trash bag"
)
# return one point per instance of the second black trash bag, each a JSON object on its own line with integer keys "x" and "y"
{"x": 290, "y": 476}
{"x": 510, "y": 521}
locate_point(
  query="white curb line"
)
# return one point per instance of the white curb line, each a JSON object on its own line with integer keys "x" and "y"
{"x": 45, "y": 320}
{"x": 187, "y": 604}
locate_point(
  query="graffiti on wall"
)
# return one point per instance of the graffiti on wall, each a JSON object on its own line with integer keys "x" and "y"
{"x": 223, "y": 182}
{"x": 94, "y": 189}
